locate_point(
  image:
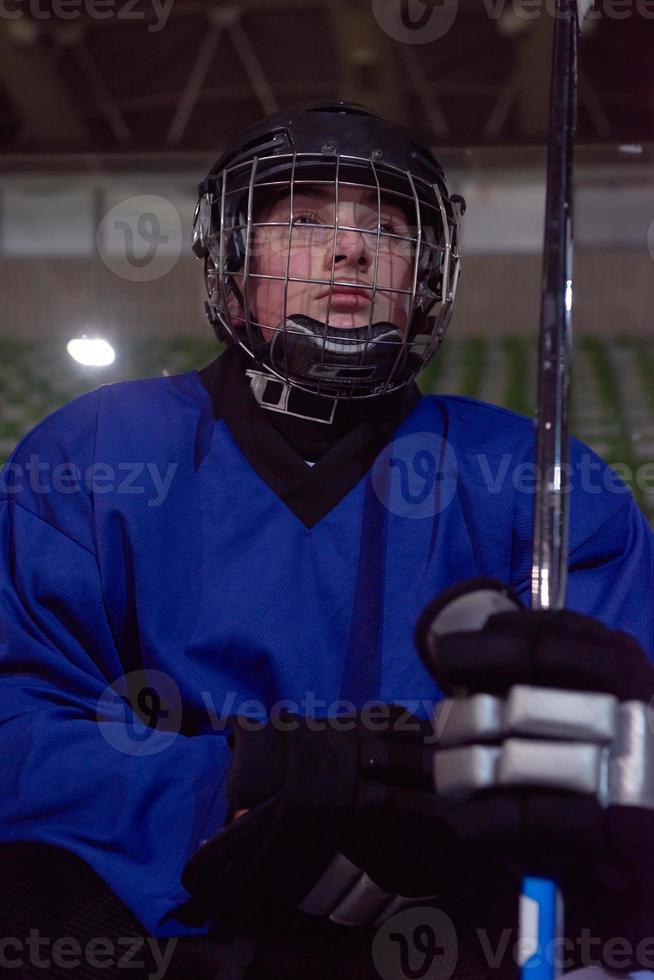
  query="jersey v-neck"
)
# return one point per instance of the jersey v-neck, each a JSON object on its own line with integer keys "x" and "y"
{"x": 310, "y": 492}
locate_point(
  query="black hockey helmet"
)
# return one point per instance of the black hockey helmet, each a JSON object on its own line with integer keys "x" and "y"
{"x": 335, "y": 144}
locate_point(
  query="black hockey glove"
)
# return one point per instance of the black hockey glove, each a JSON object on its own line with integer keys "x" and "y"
{"x": 334, "y": 806}
{"x": 546, "y": 751}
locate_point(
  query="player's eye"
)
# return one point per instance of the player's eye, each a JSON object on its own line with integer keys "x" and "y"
{"x": 393, "y": 225}
{"x": 306, "y": 218}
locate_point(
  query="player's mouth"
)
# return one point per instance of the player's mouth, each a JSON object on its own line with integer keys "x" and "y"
{"x": 349, "y": 298}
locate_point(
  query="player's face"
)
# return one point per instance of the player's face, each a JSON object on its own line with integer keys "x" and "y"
{"x": 314, "y": 257}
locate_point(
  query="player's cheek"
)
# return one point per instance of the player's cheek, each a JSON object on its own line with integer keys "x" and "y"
{"x": 296, "y": 258}
{"x": 301, "y": 269}
{"x": 270, "y": 292}
{"x": 399, "y": 302}
{"x": 294, "y": 299}
{"x": 388, "y": 279}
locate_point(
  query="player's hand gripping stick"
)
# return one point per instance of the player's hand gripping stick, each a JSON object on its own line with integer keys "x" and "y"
{"x": 468, "y": 611}
{"x": 545, "y": 752}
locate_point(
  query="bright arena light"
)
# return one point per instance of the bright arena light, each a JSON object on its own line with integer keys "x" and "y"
{"x": 91, "y": 351}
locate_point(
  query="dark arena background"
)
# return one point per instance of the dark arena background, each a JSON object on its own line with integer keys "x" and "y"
{"x": 111, "y": 112}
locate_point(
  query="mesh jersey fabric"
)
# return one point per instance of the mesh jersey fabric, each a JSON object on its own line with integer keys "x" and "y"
{"x": 49, "y": 896}
{"x": 135, "y": 535}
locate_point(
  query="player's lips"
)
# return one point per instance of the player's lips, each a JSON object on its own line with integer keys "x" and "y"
{"x": 349, "y": 298}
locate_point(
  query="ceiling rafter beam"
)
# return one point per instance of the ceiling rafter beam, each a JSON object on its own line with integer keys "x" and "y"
{"x": 502, "y": 107}
{"x": 225, "y": 94}
{"x": 368, "y": 67}
{"x": 191, "y": 8}
{"x": 253, "y": 68}
{"x": 45, "y": 106}
{"x": 195, "y": 81}
{"x": 423, "y": 89}
{"x": 532, "y": 42}
{"x": 590, "y": 100}
{"x": 98, "y": 87}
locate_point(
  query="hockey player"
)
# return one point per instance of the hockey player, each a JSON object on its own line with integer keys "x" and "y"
{"x": 312, "y": 508}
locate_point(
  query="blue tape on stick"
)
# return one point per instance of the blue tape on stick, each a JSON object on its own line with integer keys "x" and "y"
{"x": 541, "y": 922}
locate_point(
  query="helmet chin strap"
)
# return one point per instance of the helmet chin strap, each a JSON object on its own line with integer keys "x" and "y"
{"x": 279, "y": 396}
{"x": 335, "y": 360}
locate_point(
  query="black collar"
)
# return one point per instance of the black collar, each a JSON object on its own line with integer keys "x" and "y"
{"x": 276, "y": 446}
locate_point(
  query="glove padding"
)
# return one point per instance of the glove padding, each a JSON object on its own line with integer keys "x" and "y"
{"x": 603, "y": 856}
{"x": 547, "y": 648}
{"x": 306, "y": 783}
{"x": 264, "y": 866}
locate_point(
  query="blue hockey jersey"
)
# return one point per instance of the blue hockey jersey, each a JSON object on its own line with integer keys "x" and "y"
{"x": 138, "y": 540}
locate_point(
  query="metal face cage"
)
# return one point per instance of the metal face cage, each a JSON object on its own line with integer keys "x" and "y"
{"x": 260, "y": 239}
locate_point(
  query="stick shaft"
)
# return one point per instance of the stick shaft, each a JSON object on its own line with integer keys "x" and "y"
{"x": 549, "y": 560}
{"x": 550, "y": 544}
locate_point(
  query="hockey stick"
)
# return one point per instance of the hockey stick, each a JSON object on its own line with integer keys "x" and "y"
{"x": 541, "y": 906}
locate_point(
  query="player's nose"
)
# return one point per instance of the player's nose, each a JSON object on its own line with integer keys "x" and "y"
{"x": 352, "y": 248}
